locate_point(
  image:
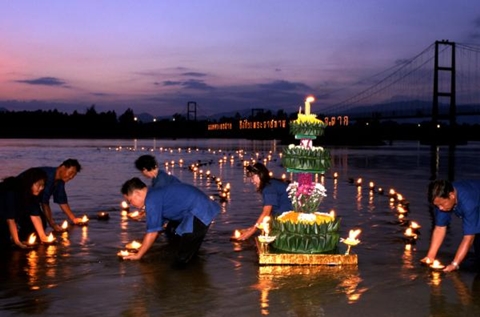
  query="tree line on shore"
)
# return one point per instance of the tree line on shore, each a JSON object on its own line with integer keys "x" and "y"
{"x": 93, "y": 124}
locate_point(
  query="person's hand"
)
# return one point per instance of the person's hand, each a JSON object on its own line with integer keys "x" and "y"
{"x": 247, "y": 233}
{"x": 21, "y": 245}
{"x": 451, "y": 267}
{"x": 56, "y": 227}
{"x": 77, "y": 221}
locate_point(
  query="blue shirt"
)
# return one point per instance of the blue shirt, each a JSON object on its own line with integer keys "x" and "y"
{"x": 275, "y": 194}
{"x": 53, "y": 187}
{"x": 163, "y": 179}
{"x": 467, "y": 207}
{"x": 178, "y": 202}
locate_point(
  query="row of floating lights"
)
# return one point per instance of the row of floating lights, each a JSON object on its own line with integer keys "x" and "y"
{"x": 401, "y": 205}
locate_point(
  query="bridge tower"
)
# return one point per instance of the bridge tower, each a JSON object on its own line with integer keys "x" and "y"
{"x": 444, "y": 71}
{"x": 192, "y": 108}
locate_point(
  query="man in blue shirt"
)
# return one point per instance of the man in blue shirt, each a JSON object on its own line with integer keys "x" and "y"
{"x": 461, "y": 198}
{"x": 179, "y": 202}
{"x": 55, "y": 186}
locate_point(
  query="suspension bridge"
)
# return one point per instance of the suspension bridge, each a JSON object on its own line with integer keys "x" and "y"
{"x": 440, "y": 83}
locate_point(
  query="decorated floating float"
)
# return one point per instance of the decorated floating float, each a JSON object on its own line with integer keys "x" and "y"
{"x": 305, "y": 236}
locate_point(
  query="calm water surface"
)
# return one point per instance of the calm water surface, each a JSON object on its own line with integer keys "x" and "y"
{"x": 81, "y": 275}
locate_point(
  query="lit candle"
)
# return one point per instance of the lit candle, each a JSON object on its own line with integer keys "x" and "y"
{"x": 237, "y": 234}
{"x": 414, "y": 225}
{"x": 307, "y": 104}
{"x": 31, "y": 239}
{"x": 124, "y": 205}
{"x": 65, "y": 225}
{"x": 123, "y": 253}
{"x": 437, "y": 265}
{"x": 134, "y": 245}
{"x": 102, "y": 215}
{"x": 50, "y": 238}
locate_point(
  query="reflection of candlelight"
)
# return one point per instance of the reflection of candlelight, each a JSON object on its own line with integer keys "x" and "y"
{"x": 32, "y": 239}
{"x": 414, "y": 225}
{"x": 409, "y": 233}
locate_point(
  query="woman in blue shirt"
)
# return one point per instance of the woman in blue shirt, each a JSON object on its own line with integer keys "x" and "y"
{"x": 274, "y": 195}
{"x": 20, "y": 205}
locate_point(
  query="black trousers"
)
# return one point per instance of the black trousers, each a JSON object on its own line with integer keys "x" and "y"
{"x": 190, "y": 243}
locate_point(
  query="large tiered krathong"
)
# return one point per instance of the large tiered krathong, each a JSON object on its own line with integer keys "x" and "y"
{"x": 305, "y": 229}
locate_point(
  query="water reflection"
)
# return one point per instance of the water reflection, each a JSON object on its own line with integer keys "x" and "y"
{"x": 82, "y": 265}
{"x": 299, "y": 287}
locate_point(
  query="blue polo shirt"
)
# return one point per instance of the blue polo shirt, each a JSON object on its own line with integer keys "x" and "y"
{"x": 178, "y": 202}
{"x": 275, "y": 194}
{"x": 467, "y": 207}
{"x": 164, "y": 179}
{"x": 53, "y": 188}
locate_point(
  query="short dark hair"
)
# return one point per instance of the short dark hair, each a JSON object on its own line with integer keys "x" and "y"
{"x": 72, "y": 163}
{"x": 439, "y": 188}
{"x": 132, "y": 184}
{"x": 146, "y": 162}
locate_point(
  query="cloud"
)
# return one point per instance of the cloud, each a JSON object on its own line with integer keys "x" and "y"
{"x": 194, "y": 74}
{"x": 284, "y": 85}
{"x": 196, "y": 84}
{"x": 45, "y": 81}
{"x": 171, "y": 83}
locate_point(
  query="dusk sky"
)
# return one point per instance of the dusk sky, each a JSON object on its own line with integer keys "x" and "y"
{"x": 227, "y": 55}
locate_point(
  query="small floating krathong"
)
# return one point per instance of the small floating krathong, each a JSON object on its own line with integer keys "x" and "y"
{"x": 50, "y": 239}
{"x": 352, "y": 239}
{"x": 84, "y": 221}
{"x": 437, "y": 266}
{"x": 123, "y": 253}
{"x": 32, "y": 240}
{"x": 265, "y": 227}
{"x": 133, "y": 246}
{"x": 103, "y": 215}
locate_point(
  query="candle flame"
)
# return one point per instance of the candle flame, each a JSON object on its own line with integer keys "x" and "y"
{"x": 353, "y": 234}
{"x": 124, "y": 205}
{"x": 50, "y": 237}
{"x": 85, "y": 218}
{"x": 310, "y": 99}
{"x": 414, "y": 225}
{"x": 123, "y": 253}
{"x": 332, "y": 213}
{"x": 32, "y": 239}
{"x": 65, "y": 225}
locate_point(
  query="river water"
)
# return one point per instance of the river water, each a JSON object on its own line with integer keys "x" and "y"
{"x": 80, "y": 275}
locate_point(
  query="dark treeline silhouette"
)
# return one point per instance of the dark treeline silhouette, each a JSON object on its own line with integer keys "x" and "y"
{"x": 92, "y": 124}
